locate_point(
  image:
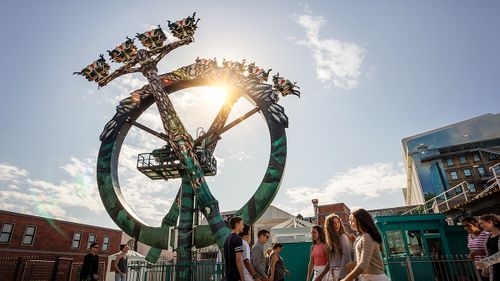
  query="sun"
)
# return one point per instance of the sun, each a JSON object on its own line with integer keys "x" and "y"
{"x": 216, "y": 96}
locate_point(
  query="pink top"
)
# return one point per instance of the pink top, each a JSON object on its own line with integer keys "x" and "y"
{"x": 319, "y": 255}
{"x": 478, "y": 243}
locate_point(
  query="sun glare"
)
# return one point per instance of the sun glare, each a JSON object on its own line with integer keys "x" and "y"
{"x": 216, "y": 95}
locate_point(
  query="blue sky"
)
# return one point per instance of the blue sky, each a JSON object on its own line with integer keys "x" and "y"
{"x": 371, "y": 73}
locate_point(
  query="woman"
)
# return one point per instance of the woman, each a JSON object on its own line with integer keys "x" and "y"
{"x": 476, "y": 242}
{"x": 338, "y": 245}
{"x": 319, "y": 258}
{"x": 368, "y": 262}
{"x": 277, "y": 266}
{"x": 491, "y": 223}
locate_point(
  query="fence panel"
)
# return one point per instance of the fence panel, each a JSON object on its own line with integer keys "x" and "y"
{"x": 437, "y": 268}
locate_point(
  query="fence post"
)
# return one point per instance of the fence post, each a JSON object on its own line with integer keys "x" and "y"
{"x": 409, "y": 269}
{"x": 18, "y": 266}
{"x": 54, "y": 269}
{"x": 70, "y": 267}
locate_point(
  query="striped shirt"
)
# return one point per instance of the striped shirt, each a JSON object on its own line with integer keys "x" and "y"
{"x": 478, "y": 243}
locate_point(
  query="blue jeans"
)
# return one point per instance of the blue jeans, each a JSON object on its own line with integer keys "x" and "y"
{"x": 119, "y": 277}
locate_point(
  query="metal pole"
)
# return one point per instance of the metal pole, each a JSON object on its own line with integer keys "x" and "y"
{"x": 409, "y": 269}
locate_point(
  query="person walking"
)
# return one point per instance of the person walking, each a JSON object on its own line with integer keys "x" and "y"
{"x": 491, "y": 223}
{"x": 338, "y": 245}
{"x": 368, "y": 264}
{"x": 277, "y": 268}
{"x": 319, "y": 259}
{"x": 248, "y": 270}
{"x": 90, "y": 266}
{"x": 233, "y": 251}
{"x": 258, "y": 257}
{"x": 121, "y": 267}
{"x": 476, "y": 242}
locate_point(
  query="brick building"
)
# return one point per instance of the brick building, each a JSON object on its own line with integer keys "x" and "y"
{"x": 322, "y": 211}
{"x": 23, "y": 235}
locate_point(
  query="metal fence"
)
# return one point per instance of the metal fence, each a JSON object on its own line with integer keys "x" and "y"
{"x": 42, "y": 268}
{"x": 165, "y": 271}
{"x": 438, "y": 268}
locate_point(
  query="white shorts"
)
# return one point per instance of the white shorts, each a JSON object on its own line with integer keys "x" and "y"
{"x": 318, "y": 269}
{"x": 374, "y": 277}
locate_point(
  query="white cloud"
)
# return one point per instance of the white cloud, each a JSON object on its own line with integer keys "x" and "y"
{"x": 337, "y": 62}
{"x": 365, "y": 182}
{"x": 9, "y": 173}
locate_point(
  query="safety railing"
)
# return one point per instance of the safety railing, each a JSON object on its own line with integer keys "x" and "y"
{"x": 165, "y": 271}
{"x": 435, "y": 268}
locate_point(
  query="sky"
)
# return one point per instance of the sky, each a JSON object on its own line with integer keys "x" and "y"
{"x": 370, "y": 74}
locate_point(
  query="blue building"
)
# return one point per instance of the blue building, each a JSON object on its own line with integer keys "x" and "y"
{"x": 456, "y": 162}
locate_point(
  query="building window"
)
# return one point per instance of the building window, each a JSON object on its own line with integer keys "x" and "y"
{"x": 449, "y": 162}
{"x": 395, "y": 244}
{"x": 105, "y": 243}
{"x": 492, "y": 156}
{"x": 415, "y": 245}
{"x": 467, "y": 173}
{"x": 6, "y": 232}
{"x": 459, "y": 189}
{"x": 472, "y": 187}
{"x": 481, "y": 171}
{"x": 463, "y": 160}
{"x": 477, "y": 158}
{"x": 92, "y": 239}
{"x": 454, "y": 175}
{"x": 29, "y": 235}
{"x": 77, "y": 238}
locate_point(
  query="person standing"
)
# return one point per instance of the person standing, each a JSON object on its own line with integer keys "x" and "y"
{"x": 277, "y": 268}
{"x": 90, "y": 266}
{"x": 338, "y": 245}
{"x": 121, "y": 267}
{"x": 476, "y": 242}
{"x": 319, "y": 260}
{"x": 258, "y": 257}
{"x": 233, "y": 251}
{"x": 368, "y": 264}
{"x": 491, "y": 223}
{"x": 248, "y": 270}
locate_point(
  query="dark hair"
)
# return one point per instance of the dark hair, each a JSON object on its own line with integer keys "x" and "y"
{"x": 321, "y": 233}
{"x": 491, "y": 218}
{"x": 332, "y": 236}
{"x": 93, "y": 244}
{"x": 245, "y": 231}
{"x": 471, "y": 220}
{"x": 365, "y": 224}
{"x": 234, "y": 221}
{"x": 277, "y": 245}
{"x": 262, "y": 232}
{"x": 122, "y": 246}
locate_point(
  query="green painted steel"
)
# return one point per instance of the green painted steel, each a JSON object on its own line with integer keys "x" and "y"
{"x": 198, "y": 74}
{"x": 296, "y": 259}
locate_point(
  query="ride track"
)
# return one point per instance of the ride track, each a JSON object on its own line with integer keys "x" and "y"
{"x": 194, "y": 194}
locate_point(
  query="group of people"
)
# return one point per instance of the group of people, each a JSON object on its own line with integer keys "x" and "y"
{"x": 244, "y": 264}
{"x": 484, "y": 244}
{"x": 331, "y": 255}
{"x": 332, "y": 252}
{"x": 90, "y": 267}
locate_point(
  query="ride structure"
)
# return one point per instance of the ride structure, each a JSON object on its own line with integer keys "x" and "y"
{"x": 182, "y": 156}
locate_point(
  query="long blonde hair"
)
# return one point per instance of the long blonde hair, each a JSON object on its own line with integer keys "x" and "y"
{"x": 332, "y": 236}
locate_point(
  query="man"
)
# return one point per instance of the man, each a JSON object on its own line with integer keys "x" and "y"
{"x": 233, "y": 251}
{"x": 248, "y": 270}
{"x": 258, "y": 257}
{"x": 90, "y": 264}
{"x": 121, "y": 264}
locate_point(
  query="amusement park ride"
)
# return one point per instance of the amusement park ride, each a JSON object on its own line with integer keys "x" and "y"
{"x": 182, "y": 156}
